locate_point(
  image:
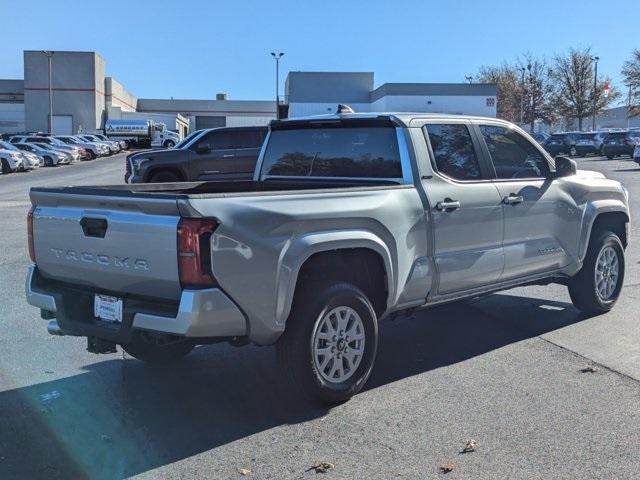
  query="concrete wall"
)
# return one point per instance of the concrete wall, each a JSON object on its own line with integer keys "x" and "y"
{"x": 117, "y": 96}
{"x": 78, "y": 89}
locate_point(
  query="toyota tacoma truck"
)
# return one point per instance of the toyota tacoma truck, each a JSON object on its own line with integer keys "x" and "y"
{"x": 348, "y": 218}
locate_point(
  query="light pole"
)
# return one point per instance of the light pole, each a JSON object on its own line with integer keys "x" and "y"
{"x": 522, "y": 70}
{"x": 595, "y": 93}
{"x": 49, "y": 54}
{"x": 277, "y": 57}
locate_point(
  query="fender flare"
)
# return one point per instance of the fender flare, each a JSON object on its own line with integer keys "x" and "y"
{"x": 299, "y": 249}
{"x": 591, "y": 212}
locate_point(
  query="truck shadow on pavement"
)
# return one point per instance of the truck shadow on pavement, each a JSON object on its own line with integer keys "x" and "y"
{"x": 121, "y": 418}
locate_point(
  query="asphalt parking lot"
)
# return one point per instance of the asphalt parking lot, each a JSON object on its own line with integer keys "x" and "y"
{"x": 505, "y": 370}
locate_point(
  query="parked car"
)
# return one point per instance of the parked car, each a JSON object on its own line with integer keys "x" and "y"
{"x": 107, "y": 147}
{"x": 540, "y": 137}
{"x": 91, "y": 150}
{"x": 114, "y": 147}
{"x": 29, "y": 160}
{"x": 620, "y": 143}
{"x": 561, "y": 144}
{"x": 588, "y": 143}
{"x": 209, "y": 154}
{"x": 347, "y": 219}
{"x": 10, "y": 160}
{"x": 74, "y": 151}
{"x": 50, "y": 157}
{"x": 122, "y": 145}
{"x": 636, "y": 154}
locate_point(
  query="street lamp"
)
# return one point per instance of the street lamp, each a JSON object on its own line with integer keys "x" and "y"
{"x": 49, "y": 54}
{"x": 595, "y": 93}
{"x": 522, "y": 70}
{"x": 277, "y": 57}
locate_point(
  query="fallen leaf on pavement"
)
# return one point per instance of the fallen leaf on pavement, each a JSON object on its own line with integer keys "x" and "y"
{"x": 470, "y": 446}
{"x": 447, "y": 468}
{"x": 589, "y": 369}
{"x": 244, "y": 471}
{"x": 321, "y": 467}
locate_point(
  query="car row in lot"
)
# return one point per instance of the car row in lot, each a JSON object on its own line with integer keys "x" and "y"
{"x": 610, "y": 144}
{"x": 28, "y": 151}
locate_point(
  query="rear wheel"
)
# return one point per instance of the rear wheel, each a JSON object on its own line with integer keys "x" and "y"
{"x": 329, "y": 346}
{"x": 165, "y": 176}
{"x": 91, "y": 155}
{"x": 169, "y": 144}
{"x": 157, "y": 350}
{"x": 596, "y": 287}
{"x": 573, "y": 152}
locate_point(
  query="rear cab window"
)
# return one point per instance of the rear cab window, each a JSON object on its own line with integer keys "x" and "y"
{"x": 333, "y": 151}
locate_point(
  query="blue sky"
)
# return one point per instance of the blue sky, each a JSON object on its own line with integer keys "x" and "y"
{"x": 193, "y": 49}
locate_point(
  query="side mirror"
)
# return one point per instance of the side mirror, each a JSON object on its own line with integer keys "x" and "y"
{"x": 204, "y": 148}
{"x": 565, "y": 167}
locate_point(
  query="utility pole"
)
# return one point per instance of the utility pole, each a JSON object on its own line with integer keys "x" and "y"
{"x": 49, "y": 54}
{"x": 522, "y": 70}
{"x": 595, "y": 93}
{"x": 277, "y": 57}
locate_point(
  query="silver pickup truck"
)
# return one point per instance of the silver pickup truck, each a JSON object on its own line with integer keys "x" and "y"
{"x": 349, "y": 218}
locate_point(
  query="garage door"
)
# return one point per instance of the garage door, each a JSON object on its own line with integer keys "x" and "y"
{"x": 62, "y": 125}
{"x": 205, "y": 121}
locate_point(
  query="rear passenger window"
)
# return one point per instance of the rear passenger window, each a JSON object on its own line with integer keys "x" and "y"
{"x": 453, "y": 151}
{"x": 513, "y": 155}
{"x": 367, "y": 152}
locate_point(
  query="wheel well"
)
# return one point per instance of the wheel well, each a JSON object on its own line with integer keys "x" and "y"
{"x": 362, "y": 267}
{"x": 614, "y": 221}
{"x": 173, "y": 170}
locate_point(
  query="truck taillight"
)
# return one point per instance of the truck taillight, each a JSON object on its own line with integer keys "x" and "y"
{"x": 194, "y": 252}
{"x": 32, "y": 250}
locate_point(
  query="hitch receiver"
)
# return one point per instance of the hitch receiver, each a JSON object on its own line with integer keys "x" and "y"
{"x": 97, "y": 345}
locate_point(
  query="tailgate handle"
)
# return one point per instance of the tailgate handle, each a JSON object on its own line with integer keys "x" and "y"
{"x": 94, "y": 227}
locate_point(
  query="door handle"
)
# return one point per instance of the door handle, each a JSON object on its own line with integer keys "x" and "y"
{"x": 448, "y": 204}
{"x": 513, "y": 199}
{"x": 228, "y": 155}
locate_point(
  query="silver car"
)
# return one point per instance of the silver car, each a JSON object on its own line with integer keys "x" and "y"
{"x": 50, "y": 157}
{"x": 29, "y": 160}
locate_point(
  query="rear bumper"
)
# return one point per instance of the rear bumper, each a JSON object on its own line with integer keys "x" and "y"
{"x": 208, "y": 313}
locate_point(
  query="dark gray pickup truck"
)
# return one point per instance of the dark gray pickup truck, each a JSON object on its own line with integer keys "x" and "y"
{"x": 348, "y": 219}
{"x": 212, "y": 154}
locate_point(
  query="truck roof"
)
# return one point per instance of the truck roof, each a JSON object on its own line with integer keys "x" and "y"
{"x": 399, "y": 118}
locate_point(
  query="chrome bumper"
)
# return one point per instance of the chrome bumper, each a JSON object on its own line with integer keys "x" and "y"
{"x": 201, "y": 313}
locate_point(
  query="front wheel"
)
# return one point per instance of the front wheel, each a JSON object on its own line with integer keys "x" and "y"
{"x": 157, "y": 350}
{"x": 596, "y": 287}
{"x": 5, "y": 166}
{"x": 329, "y": 346}
{"x": 573, "y": 152}
{"x": 169, "y": 144}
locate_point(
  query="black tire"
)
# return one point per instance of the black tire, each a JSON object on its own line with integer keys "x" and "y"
{"x": 169, "y": 144}
{"x": 5, "y": 167}
{"x": 48, "y": 161}
{"x": 609, "y": 157}
{"x": 92, "y": 156}
{"x": 573, "y": 152}
{"x": 165, "y": 176}
{"x": 582, "y": 286}
{"x": 294, "y": 348}
{"x": 157, "y": 350}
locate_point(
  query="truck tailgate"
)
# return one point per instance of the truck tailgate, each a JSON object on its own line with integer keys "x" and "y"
{"x": 109, "y": 243}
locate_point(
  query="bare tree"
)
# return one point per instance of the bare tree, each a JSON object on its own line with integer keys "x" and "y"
{"x": 509, "y": 89}
{"x": 631, "y": 75}
{"x": 575, "y": 93}
{"x": 538, "y": 90}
